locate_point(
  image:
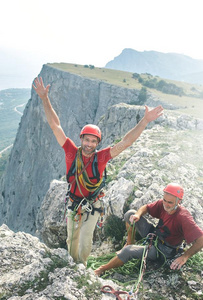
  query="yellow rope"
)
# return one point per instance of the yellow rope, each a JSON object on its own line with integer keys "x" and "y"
{"x": 83, "y": 177}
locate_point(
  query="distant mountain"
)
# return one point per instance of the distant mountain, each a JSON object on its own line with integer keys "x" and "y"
{"x": 166, "y": 65}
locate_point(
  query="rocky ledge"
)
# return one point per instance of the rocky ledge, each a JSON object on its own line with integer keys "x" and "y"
{"x": 31, "y": 270}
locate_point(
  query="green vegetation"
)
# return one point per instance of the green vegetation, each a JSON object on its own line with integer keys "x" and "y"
{"x": 9, "y": 100}
{"x": 196, "y": 262}
{"x": 142, "y": 97}
{"x": 172, "y": 280}
{"x": 191, "y": 101}
{"x": 114, "y": 227}
{"x": 161, "y": 85}
{"x": 41, "y": 282}
{"x": 89, "y": 66}
{"x": 91, "y": 290}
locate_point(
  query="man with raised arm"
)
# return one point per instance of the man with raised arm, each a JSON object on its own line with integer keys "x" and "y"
{"x": 84, "y": 171}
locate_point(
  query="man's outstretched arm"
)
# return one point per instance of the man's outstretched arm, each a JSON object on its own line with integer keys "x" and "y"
{"x": 181, "y": 260}
{"x": 50, "y": 113}
{"x": 134, "y": 133}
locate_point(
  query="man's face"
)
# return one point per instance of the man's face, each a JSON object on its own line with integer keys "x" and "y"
{"x": 169, "y": 203}
{"x": 88, "y": 143}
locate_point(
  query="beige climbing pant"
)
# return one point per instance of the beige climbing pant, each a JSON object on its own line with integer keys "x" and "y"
{"x": 80, "y": 233}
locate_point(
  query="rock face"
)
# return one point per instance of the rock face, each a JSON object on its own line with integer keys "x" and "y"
{"x": 30, "y": 270}
{"x": 51, "y": 219}
{"x": 138, "y": 176}
{"x": 36, "y": 158}
{"x": 33, "y": 188}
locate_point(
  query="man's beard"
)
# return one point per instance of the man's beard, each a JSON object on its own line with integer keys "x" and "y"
{"x": 169, "y": 209}
{"x": 88, "y": 150}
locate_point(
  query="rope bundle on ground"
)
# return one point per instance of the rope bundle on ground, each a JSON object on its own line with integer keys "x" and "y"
{"x": 131, "y": 268}
{"x": 134, "y": 268}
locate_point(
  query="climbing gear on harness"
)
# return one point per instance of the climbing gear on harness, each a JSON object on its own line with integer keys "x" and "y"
{"x": 81, "y": 174}
{"x": 100, "y": 222}
{"x": 82, "y": 178}
{"x": 151, "y": 239}
{"x": 92, "y": 130}
{"x": 175, "y": 190}
{"x": 109, "y": 289}
{"x": 82, "y": 205}
{"x": 78, "y": 170}
{"x": 72, "y": 170}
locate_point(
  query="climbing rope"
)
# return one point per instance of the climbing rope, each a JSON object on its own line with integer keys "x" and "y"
{"x": 130, "y": 268}
{"x": 135, "y": 289}
{"x": 82, "y": 178}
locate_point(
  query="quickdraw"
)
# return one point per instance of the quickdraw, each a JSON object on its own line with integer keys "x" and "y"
{"x": 78, "y": 169}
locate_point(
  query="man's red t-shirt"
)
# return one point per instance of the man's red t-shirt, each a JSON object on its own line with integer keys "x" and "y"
{"x": 176, "y": 227}
{"x": 103, "y": 156}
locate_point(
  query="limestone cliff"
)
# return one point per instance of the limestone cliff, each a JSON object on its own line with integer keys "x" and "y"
{"x": 36, "y": 158}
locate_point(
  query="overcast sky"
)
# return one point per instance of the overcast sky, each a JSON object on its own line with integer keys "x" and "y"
{"x": 94, "y": 32}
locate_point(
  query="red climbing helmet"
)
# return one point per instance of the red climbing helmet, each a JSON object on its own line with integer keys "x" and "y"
{"x": 175, "y": 190}
{"x": 91, "y": 129}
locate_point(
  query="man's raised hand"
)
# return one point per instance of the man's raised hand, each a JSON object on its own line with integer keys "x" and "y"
{"x": 40, "y": 89}
{"x": 151, "y": 115}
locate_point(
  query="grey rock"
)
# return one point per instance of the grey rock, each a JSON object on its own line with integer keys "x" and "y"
{"x": 33, "y": 188}
{"x": 34, "y": 271}
{"x": 51, "y": 218}
{"x": 36, "y": 158}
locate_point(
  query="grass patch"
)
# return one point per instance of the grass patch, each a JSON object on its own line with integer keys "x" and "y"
{"x": 191, "y": 103}
{"x": 37, "y": 285}
{"x": 91, "y": 289}
{"x": 173, "y": 282}
{"x": 196, "y": 262}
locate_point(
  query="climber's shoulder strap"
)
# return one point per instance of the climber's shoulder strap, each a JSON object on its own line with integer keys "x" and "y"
{"x": 95, "y": 169}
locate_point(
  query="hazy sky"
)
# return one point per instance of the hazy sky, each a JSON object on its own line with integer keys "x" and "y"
{"x": 94, "y": 32}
